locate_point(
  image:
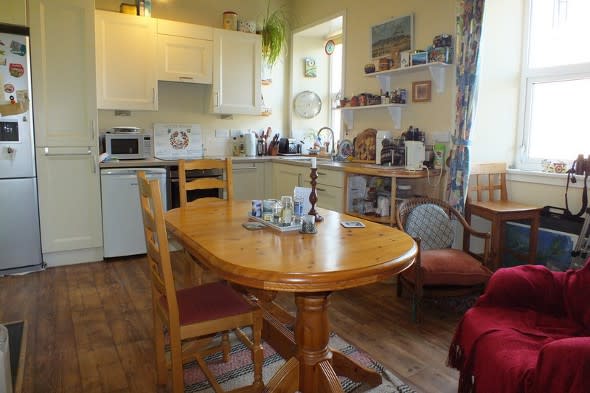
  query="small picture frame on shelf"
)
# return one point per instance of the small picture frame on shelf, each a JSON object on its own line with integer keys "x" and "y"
{"x": 421, "y": 91}
{"x": 440, "y": 55}
{"x": 419, "y": 58}
{"x": 404, "y": 59}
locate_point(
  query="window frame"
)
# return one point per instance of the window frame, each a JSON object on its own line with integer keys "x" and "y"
{"x": 528, "y": 77}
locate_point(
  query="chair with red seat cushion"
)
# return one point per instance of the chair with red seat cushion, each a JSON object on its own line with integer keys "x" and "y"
{"x": 528, "y": 333}
{"x": 193, "y": 315}
{"x": 439, "y": 270}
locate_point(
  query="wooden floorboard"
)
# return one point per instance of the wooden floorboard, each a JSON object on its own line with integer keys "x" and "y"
{"x": 90, "y": 329}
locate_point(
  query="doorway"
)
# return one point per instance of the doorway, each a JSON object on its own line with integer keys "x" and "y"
{"x": 317, "y": 70}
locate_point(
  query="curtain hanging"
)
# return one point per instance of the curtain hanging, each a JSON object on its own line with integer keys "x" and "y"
{"x": 468, "y": 35}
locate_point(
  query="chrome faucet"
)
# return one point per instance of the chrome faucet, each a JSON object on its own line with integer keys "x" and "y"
{"x": 333, "y": 151}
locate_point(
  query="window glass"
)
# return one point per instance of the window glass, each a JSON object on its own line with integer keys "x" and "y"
{"x": 556, "y": 81}
{"x": 336, "y": 88}
{"x": 559, "y": 32}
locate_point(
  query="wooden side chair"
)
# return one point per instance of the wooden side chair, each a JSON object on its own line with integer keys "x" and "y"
{"x": 192, "y": 315}
{"x": 488, "y": 198}
{"x": 205, "y": 183}
{"x": 193, "y": 270}
{"x": 439, "y": 270}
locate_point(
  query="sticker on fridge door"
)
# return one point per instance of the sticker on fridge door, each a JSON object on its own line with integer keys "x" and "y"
{"x": 9, "y": 88}
{"x": 18, "y": 48}
{"x": 16, "y": 70}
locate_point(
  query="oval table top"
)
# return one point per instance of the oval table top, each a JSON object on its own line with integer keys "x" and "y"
{"x": 333, "y": 258}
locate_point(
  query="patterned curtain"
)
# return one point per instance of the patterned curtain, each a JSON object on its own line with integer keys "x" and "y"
{"x": 468, "y": 35}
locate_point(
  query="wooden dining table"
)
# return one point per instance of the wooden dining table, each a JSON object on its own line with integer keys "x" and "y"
{"x": 311, "y": 266}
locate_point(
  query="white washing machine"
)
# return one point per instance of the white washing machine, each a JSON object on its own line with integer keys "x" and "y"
{"x": 122, "y": 223}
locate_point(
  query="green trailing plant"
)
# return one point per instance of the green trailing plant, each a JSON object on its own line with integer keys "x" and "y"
{"x": 275, "y": 30}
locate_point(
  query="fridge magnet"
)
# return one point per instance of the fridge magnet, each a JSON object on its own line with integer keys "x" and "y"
{"x": 310, "y": 70}
{"x": 393, "y": 35}
{"x": 16, "y": 70}
{"x": 421, "y": 91}
{"x": 18, "y": 48}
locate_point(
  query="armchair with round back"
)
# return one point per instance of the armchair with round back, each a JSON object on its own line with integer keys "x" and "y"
{"x": 439, "y": 270}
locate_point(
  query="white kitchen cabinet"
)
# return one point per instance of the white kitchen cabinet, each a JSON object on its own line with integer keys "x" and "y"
{"x": 286, "y": 177}
{"x": 64, "y": 101}
{"x": 329, "y": 184}
{"x": 237, "y": 59}
{"x": 126, "y": 61}
{"x": 184, "y": 52}
{"x": 13, "y": 12}
{"x": 249, "y": 180}
{"x": 69, "y": 199}
{"x": 63, "y": 72}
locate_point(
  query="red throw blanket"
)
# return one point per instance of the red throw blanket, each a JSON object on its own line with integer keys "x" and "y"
{"x": 515, "y": 337}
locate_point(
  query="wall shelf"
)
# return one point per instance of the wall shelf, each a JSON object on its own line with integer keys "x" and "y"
{"x": 395, "y": 111}
{"x": 437, "y": 72}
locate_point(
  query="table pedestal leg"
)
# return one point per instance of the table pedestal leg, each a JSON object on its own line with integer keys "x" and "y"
{"x": 314, "y": 368}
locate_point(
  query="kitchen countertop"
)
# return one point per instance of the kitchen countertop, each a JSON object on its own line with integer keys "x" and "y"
{"x": 326, "y": 163}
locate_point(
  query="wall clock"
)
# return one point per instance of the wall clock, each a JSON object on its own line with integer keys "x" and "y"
{"x": 307, "y": 104}
{"x": 329, "y": 48}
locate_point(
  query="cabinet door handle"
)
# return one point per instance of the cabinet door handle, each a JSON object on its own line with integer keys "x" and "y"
{"x": 299, "y": 184}
{"x": 92, "y": 129}
{"x": 321, "y": 173}
{"x": 188, "y": 78}
{"x": 48, "y": 154}
{"x": 154, "y": 95}
{"x": 320, "y": 189}
{"x": 216, "y": 98}
{"x": 93, "y": 163}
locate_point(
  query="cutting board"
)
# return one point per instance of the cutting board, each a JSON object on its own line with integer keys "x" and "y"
{"x": 364, "y": 145}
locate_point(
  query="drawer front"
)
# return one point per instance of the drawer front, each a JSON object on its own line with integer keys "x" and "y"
{"x": 330, "y": 178}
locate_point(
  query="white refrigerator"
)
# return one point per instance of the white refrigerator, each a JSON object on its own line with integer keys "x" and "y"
{"x": 20, "y": 241}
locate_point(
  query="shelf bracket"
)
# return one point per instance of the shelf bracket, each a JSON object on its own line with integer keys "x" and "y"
{"x": 438, "y": 77}
{"x": 384, "y": 82}
{"x": 396, "y": 116}
{"x": 348, "y": 118}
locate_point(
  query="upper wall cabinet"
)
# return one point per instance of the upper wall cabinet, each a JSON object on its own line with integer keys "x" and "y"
{"x": 184, "y": 52}
{"x": 63, "y": 77}
{"x": 13, "y": 12}
{"x": 125, "y": 61}
{"x": 237, "y": 59}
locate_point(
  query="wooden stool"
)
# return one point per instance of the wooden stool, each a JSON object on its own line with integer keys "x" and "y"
{"x": 488, "y": 184}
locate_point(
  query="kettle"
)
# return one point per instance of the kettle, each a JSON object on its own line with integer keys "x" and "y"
{"x": 249, "y": 144}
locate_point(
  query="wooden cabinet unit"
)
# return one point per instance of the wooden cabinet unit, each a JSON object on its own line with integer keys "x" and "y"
{"x": 126, "y": 62}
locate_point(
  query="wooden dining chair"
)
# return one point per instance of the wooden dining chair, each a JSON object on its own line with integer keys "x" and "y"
{"x": 487, "y": 198}
{"x": 439, "y": 270}
{"x": 205, "y": 183}
{"x": 194, "y": 271}
{"x": 192, "y": 315}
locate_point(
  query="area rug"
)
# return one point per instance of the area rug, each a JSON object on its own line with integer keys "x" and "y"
{"x": 238, "y": 371}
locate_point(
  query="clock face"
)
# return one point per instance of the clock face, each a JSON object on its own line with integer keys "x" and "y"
{"x": 307, "y": 104}
{"x": 330, "y": 45}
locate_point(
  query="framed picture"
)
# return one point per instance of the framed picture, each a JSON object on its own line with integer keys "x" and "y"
{"x": 310, "y": 68}
{"x": 394, "y": 35}
{"x": 421, "y": 91}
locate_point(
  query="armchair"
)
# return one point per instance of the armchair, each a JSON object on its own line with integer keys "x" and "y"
{"x": 529, "y": 332}
{"x": 439, "y": 270}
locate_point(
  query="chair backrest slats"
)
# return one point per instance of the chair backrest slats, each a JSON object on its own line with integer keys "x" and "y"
{"x": 488, "y": 182}
{"x": 225, "y": 183}
{"x": 156, "y": 238}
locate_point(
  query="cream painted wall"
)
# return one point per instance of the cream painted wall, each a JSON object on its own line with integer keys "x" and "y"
{"x": 189, "y": 103}
{"x": 14, "y": 12}
{"x": 310, "y": 47}
{"x": 430, "y": 18}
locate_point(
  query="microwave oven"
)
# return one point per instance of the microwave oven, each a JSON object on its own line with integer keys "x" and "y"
{"x": 131, "y": 146}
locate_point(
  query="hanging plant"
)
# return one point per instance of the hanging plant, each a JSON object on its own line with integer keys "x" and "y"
{"x": 275, "y": 30}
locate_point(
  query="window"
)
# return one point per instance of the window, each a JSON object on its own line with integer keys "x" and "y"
{"x": 555, "y": 82}
{"x": 336, "y": 87}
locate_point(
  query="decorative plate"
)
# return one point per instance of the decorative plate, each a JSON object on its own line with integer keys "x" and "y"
{"x": 307, "y": 104}
{"x": 345, "y": 149}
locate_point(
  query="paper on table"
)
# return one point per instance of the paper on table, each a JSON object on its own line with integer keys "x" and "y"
{"x": 303, "y": 192}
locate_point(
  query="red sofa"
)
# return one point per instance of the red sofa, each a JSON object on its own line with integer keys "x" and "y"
{"x": 529, "y": 332}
